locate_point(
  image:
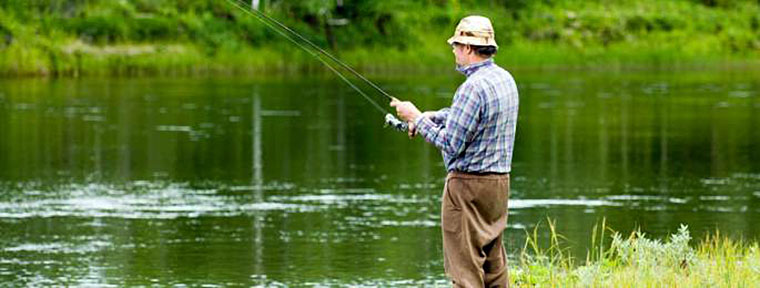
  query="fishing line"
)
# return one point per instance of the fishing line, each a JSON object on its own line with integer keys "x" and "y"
{"x": 263, "y": 18}
{"x": 341, "y": 63}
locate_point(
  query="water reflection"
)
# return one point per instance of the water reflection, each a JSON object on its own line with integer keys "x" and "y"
{"x": 293, "y": 182}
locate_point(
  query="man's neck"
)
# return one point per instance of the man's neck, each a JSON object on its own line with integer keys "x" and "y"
{"x": 468, "y": 69}
{"x": 474, "y": 61}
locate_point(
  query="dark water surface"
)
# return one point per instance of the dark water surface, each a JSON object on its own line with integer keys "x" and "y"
{"x": 292, "y": 181}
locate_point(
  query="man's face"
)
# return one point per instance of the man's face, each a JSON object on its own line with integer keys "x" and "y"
{"x": 460, "y": 53}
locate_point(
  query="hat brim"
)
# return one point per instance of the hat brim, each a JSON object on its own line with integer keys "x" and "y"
{"x": 469, "y": 40}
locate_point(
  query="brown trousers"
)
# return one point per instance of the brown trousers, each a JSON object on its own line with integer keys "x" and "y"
{"x": 473, "y": 218}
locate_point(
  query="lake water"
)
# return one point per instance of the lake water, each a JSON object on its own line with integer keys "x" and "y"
{"x": 293, "y": 181}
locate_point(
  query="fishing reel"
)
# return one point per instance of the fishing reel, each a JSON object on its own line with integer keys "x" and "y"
{"x": 396, "y": 124}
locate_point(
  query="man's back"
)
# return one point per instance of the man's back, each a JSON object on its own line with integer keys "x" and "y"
{"x": 488, "y": 147}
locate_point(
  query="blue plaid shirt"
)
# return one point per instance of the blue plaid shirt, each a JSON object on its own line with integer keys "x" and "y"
{"x": 478, "y": 132}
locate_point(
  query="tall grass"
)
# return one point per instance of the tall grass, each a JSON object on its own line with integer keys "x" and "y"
{"x": 639, "y": 261}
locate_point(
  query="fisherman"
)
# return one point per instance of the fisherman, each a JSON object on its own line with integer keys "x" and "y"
{"x": 476, "y": 136}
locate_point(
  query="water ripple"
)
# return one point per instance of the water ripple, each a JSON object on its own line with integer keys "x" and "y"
{"x": 140, "y": 200}
{"x": 157, "y": 200}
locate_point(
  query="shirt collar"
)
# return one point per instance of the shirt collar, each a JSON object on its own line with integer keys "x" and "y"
{"x": 470, "y": 69}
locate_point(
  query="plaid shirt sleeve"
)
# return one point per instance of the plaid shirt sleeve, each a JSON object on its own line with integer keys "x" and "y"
{"x": 460, "y": 122}
{"x": 439, "y": 117}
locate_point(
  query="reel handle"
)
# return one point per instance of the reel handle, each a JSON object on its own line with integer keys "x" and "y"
{"x": 396, "y": 124}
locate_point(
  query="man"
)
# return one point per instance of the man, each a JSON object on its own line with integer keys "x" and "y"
{"x": 476, "y": 135}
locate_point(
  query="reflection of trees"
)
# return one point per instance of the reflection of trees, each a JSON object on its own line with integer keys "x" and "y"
{"x": 638, "y": 136}
{"x": 4, "y": 121}
{"x": 257, "y": 182}
{"x": 596, "y": 139}
{"x": 629, "y": 136}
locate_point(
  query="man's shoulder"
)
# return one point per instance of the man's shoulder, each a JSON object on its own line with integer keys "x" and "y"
{"x": 497, "y": 71}
{"x": 491, "y": 75}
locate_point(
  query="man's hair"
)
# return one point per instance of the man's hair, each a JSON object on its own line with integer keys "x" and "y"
{"x": 484, "y": 51}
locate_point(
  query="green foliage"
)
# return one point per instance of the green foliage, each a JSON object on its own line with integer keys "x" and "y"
{"x": 722, "y": 3}
{"x": 535, "y": 33}
{"x": 6, "y": 36}
{"x": 99, "y": 29}
{"x": 652, "y": 254}
{"x": 638, "y": 261}
{"x": 154, "y": 28}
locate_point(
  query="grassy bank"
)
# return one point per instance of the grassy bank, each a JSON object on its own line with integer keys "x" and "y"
{"x": 75, "y": 37}
{"x": 638, "y": 261}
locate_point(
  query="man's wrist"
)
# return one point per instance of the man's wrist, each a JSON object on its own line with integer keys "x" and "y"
{"x": 417, "y": 119}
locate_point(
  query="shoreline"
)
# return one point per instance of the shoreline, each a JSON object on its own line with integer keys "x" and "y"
{"x": 187, "y": 60}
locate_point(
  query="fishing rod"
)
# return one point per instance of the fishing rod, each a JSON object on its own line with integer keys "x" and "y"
{"x": 341, "y": 63}
{"x": 273, "y": 24}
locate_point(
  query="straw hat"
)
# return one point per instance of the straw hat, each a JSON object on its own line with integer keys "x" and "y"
{"x": 474, "y": 30}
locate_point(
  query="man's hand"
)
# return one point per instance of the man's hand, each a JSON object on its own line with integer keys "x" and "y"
{"x": 411, "y": 129}
{"x": 428, "y": 114}
{"x": 405, "y": 110}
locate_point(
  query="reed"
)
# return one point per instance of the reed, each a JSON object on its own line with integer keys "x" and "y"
{"x": 637, "y": 260}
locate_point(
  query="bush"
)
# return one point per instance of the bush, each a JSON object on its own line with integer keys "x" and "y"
{"x": 721, "y": 3}
{"x": 639, "y": 251}
{"x": 153, "y": 28}
{"x": 6, "y": 36}
{"x": 99, "y": 29}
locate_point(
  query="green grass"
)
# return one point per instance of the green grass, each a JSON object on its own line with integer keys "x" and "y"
{"x": 66, "y": 37}
{"x": 615, "y": 260}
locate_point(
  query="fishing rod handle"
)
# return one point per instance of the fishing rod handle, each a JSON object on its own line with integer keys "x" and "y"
{"x": 394, "y": 123}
